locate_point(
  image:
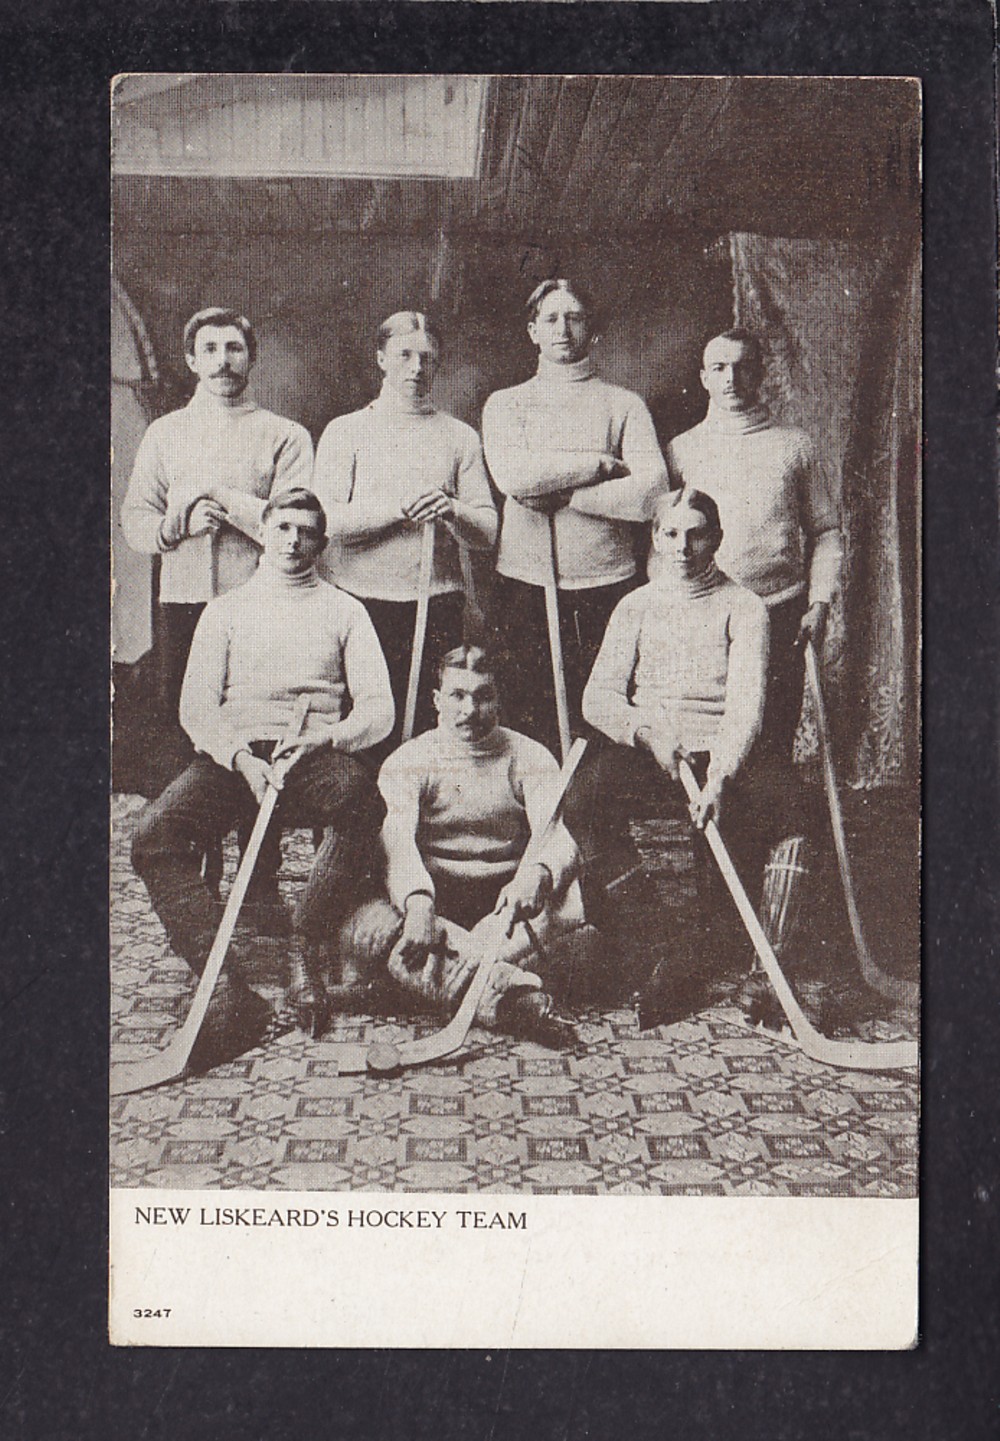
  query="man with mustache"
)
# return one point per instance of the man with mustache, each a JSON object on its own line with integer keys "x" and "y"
{"x": 782, "y": 531}
{"x": 201, "y": 479}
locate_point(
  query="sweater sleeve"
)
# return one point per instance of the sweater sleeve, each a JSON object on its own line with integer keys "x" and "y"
{"x": 145, "y": 504}
{"x": 401, "y": 783}
{"x": 746, "y": 678}
{"x": 366, "y": 674}
{"x": 475, "y": 520}
{"x": 521, "y": 469}
{"x": 820, "y": 525}
{"x": 538, "y": 781}
{"x": 606, "y": 703}
{"x": 351, "y": 518}
{"x": 202, "y": 712}
{"x": 293, "y": 467}
{"x": 629, "y": 497}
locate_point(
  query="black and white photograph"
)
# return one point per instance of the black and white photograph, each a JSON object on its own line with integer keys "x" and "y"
{"x": 516, "y": 556}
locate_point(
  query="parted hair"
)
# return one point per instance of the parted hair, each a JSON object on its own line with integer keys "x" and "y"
{"x": 296, "y": 498}
{"x": 404, "y": 322}
{"x": 533, "y": 304}
{"x": 747, "y": 338}
{"x": 684, "y": 495}
{"x": 467, "y": 657}
{"x": 219, "y": 315}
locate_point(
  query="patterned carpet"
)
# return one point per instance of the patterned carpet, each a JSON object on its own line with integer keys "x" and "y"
{"x": 708, "y": 1106}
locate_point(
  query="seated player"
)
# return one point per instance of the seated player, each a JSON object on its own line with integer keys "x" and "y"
{"x": 462, "y": 802}
{"x": 285, "y": 633}
{"x": 681, "y": 673}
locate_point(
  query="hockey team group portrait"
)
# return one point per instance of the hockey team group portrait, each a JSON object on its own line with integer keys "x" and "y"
{"x": 516, "y": 557}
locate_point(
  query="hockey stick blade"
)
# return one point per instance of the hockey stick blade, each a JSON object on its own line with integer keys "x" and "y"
{"x": 894, "y": 988}
{"x": 852, "y": 1055}
{"x": 126, "y": 1077}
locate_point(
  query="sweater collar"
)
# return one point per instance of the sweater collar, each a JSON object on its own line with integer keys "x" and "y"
{"x": 208, "y": 404}
{"x": 390, "y": 402}
{"x": 268, "y": 575}
{"x": 669, "y": 586}
{"x": 552, "y": 374}
{"x": 453, "y": 745}
{"x": 738, "y": 422}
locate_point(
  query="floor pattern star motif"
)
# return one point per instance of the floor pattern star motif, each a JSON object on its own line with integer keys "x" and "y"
{"x": 707, "y": 1106}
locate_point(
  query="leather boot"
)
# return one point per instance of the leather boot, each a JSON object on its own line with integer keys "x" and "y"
{"x": 237, "y": 1019}
{"x": 530, "y": 1015}
{"x": 674, "y": 992}
{"x": 306, "y": 990}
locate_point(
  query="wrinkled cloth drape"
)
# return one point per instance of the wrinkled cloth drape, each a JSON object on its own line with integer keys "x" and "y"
{"x": 133, "y": 379}
{"x": 841, "y": 319}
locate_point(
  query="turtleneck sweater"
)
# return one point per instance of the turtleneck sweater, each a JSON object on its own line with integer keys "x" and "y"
{"x": 688, "y": 657}
{"x": 781, "y": 527}
{"x": 260, "y": 647}
{"x": 466, "y": 810}
{"x": 550, "y": 434}
{"x": 235, "y": 452}
{"x": 372, "y": 462}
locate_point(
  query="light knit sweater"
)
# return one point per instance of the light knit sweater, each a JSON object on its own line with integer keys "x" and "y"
{"x": 781, "y": 528}
{"x": 237, "y": 454}
{"x": 466, "y": 810}
{"x": 549, "y": 435}
{"x": 688, "y": 657}
{"x": 371, "y": 462}
{"x": 259, "y": 648}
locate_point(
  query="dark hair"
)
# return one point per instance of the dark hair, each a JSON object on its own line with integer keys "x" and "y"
{"x": 742, "y": 337}
{"x": 404, "y": 322}
{"x": 297, "y": 498}
{"x": 466, "y": 657}
{"x": 694, "y": 500}
{"x": 533, "y": 304}
{"x": 217, "y": 315}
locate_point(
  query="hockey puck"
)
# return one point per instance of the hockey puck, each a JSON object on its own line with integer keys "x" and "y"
{"x": 383, "y": 1058}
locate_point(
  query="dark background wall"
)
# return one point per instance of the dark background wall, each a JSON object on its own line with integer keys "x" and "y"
{"x": 318, "y": 300}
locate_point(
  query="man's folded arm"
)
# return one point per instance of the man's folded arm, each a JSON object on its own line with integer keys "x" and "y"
{"x": 524, "y": 471}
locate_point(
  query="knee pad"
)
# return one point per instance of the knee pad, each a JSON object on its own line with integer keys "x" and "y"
{"x": 786, "y": 876}
{"x": 365, "y": 940}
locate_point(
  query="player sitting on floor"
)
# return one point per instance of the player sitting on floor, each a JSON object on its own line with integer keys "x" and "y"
{"x": 462, "y": 803}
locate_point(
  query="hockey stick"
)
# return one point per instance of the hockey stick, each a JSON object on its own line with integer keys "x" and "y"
{"x": 489, "y": 941}
{"x": 170, "y": 1063}
{"x": 889, "y": 986}
{"x": 855, "y": 1055}
{"x": 555, "y": 642}
{"x": 419, "y": 628}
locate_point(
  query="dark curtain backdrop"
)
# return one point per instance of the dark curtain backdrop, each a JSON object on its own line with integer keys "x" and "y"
{"x": 842, "y": 321}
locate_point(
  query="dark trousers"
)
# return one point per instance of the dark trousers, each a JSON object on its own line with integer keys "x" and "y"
{"x": 614, "y": 784}
{"x": 785, "y": 679}
{"x": 465, "y": 902}
{"x": 176, "y": 623}
{"x": 325, "y": 789}
{"x": 394, "y": 621}
{"x": 525, "y": 660}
